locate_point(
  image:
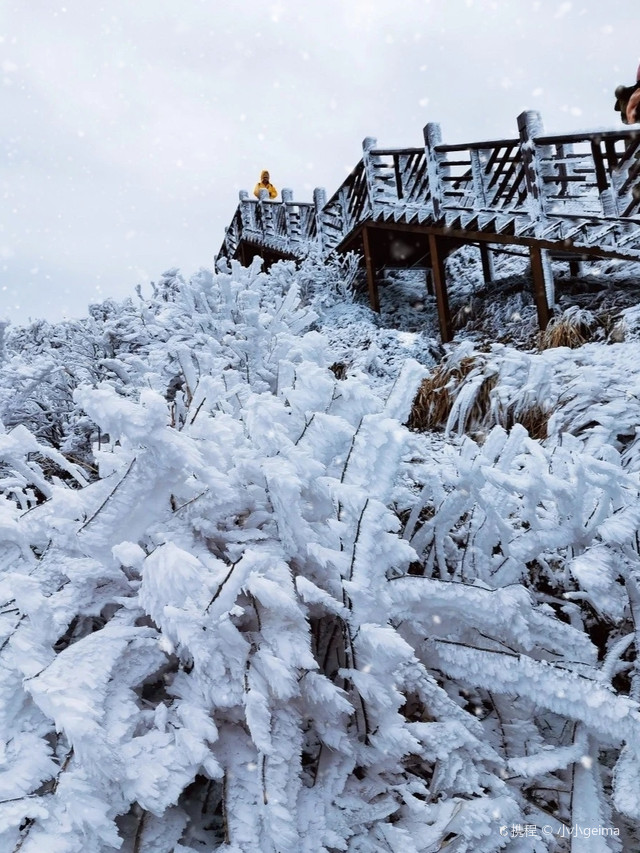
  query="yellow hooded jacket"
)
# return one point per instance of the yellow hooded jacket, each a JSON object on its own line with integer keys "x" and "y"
{"x": 261, "y": 185}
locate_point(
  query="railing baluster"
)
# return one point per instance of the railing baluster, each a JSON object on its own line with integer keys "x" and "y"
{"x": 288, "y": 218}
{"x": 432, "y": 138}
{"x": 396, "y": 170}
{"x": 478, "y": 162}
{"x": 369, "y": 184}
{"x": 607, "y": 199}
{"x": 319, "y": 202}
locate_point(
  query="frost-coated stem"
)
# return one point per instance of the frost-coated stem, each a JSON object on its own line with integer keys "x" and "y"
{"x": 225, "y": 820}
{"x": 219, "y": 590}
{"x": 204, "y": 399}
{"x": 307, "y": 424}
{"x": 614, "y": 654}
{"x": 353, "y": 441}
{"x": 109, "y": 496}
{"x": 139, "y": 833}
{"x": 357, "y": 536}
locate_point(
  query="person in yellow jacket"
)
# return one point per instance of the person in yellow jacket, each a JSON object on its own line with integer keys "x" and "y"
{"x": 264, "y": 184}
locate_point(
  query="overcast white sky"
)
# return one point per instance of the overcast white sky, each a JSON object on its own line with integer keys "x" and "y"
{"x": 127, "y": 128}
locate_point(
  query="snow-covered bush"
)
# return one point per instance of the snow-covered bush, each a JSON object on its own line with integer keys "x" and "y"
{"x": 273, "y": 619}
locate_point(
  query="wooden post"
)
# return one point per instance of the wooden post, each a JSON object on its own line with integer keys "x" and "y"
{"x": 428, "y": 280}
{"x": 368, "y": 145}
{"x": 575, "y": 268}
{"x": 440, "y": 284}
{"x": 530, "y": 126}
{"x": 486, "y": 257}
{"x": 539, "y": 285}
{"x": 319, "y": 201}
{"x": 479, "y": 160}
{"x": 433, "y": 137}
{"x": 245, "y": 210}
{"x": 372, "y": 285}
{"x": 607, "y": 196}
{"x": 286, "y": 201}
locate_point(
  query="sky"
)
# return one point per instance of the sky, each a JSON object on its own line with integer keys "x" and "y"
{"x": 127, "y": 129}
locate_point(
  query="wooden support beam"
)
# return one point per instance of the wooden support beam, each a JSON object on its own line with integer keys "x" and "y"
{"x": 575, "y": 268}
{"x": 372, "y": 285}
{"x": 352, "y": 242}
{"x": 539, "y": 288}
{"x": 438, "y": 254}
{"x": 487, "y": 263}
{"x": 428, "y": 280}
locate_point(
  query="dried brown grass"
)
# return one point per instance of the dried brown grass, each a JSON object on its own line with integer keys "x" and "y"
{"x": 339, "y": 369}
{"x": 432, "y": 404}
{"x": 534, "y": 419}
{"x": 466, "y": 314}
{"x": 437, "y": 392}
{"x": 570, "y": 331}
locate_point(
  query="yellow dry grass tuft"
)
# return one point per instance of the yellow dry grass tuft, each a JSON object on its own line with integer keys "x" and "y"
{"x": 432, "y": 404}
{"x": 534, "y": 419}
{"x": 573, "y": 329}
{"x": 437, "y": 393}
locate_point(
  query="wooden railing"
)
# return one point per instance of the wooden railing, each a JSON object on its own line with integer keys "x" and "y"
{"x": 534, "y": 179}
{"x": 590, "y": 173}
{"x": 287, "y": 227}
{"x": 482, "y": 176}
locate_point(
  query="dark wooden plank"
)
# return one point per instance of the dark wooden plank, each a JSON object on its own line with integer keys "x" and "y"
{"x": 504, "y": 183}
{"x": 436, "y": 250}
{"x": 555, "y": 179}
{"x": 612, "y": 154}
{"x": 398, "y": 176}
{"x": 519, "y": 183}
{"x": 501, "y": 163}
{"x": 465, "y": 146}
{"x": 372, "y": 285}
{"x": 410, "y": 171}
{"x": 539, "y": 290}
{"x": 487, "y": 263}
{"x": 390, "y": 152}
{"x": 420, "y": 191}
{"x": 598, "y": 161}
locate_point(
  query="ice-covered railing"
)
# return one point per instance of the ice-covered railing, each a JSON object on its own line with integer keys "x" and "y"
{"x": 546, "y": 185}
{"x": 287, "y": 227}
{"x": 480, "y": 176}
{"x": 586, "y": 174}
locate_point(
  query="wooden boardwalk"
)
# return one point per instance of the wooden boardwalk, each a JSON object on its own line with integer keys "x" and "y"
{"x": 574, "y": 196}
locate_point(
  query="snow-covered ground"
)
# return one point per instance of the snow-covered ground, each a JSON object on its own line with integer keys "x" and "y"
{"x": 246, "y": 608}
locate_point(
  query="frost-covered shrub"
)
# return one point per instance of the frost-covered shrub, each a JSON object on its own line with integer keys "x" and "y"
{"x": 524, "y": 594}
{"x": 324, "y": 283}
{"x": 193, "y": 647}
{"x": 276, "y": 620}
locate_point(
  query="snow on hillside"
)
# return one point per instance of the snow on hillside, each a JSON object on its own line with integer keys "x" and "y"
{"x": 247, "y": 608}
